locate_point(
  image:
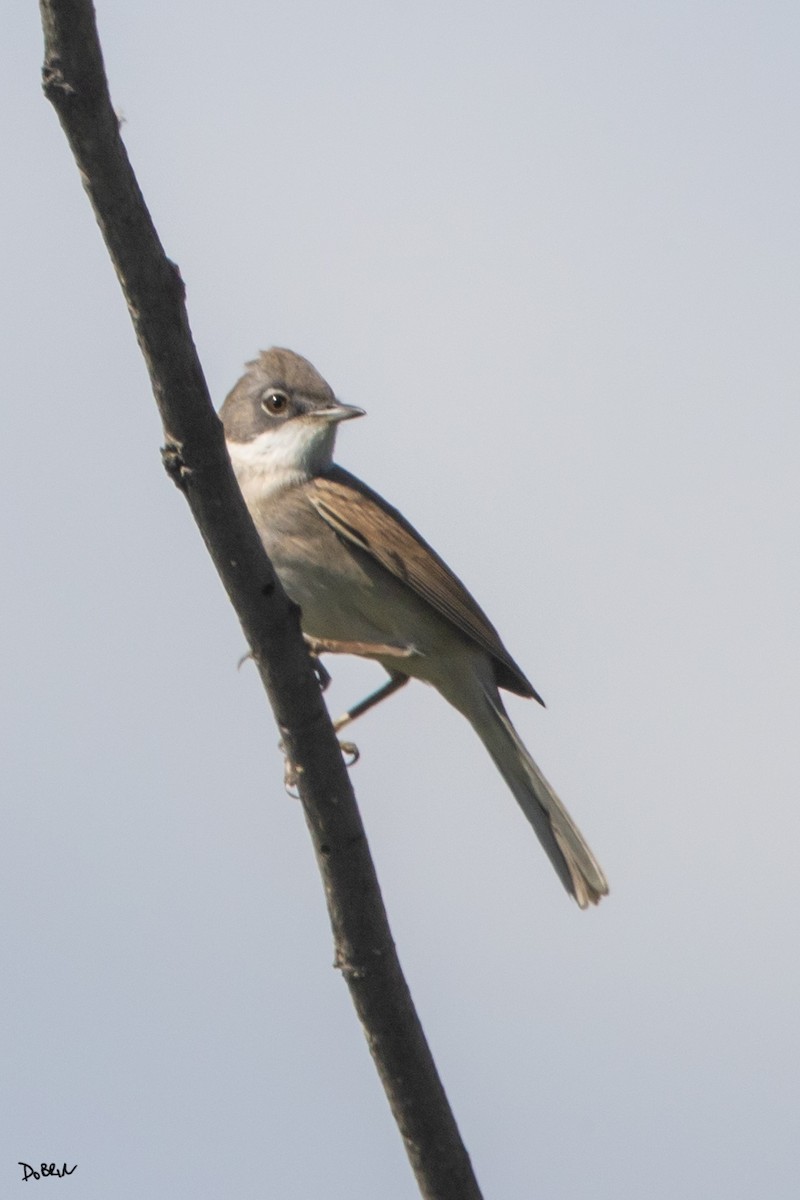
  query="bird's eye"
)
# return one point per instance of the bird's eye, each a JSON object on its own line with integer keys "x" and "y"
{"x": 275, "y": 403}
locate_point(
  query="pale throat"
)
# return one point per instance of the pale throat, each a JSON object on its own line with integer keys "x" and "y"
{"x": 282, "y": 457}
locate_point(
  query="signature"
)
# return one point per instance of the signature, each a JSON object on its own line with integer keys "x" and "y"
{"x": 45, "y": 1169}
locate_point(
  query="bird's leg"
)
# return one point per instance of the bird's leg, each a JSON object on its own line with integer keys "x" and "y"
{"x": 393, "y": 684}
{"x": 360, "y": 649}
{"x": 317, "y": 646}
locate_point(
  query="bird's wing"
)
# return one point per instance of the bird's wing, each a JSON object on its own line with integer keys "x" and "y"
{"x": 364, "y": 519}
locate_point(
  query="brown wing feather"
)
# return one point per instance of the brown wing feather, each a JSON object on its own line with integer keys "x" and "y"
{"x": 363, "y": 518}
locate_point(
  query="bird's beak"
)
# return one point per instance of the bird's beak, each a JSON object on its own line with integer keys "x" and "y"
{"x": 339, "y": 412}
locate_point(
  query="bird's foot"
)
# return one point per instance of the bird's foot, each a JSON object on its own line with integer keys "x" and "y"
{"x": 350, "y": 753}
{"x": 292, "y": 771}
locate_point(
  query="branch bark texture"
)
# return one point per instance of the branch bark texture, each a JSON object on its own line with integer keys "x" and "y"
{"x": 195, "y": 454}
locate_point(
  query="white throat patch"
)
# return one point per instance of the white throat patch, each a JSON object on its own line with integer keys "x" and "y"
{"x": 283, "y": 457}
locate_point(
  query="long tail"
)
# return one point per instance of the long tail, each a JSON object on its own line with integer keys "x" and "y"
{"x": 563, "y": 842}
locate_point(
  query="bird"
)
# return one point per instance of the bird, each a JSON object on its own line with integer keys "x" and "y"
{"x": 368, "y": 584}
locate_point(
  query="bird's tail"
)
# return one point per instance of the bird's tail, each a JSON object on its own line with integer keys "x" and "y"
{"x": 563, "y": 842}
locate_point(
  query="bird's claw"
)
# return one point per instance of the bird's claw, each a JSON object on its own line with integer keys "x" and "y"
{"x": 292, "y": 772}
{"x": 350, "y": 753}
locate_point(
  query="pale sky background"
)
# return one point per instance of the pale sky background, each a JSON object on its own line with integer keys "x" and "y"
{"x": 554, "y": 250}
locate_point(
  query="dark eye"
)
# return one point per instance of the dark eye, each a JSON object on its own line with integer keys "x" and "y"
{"x": 275, "y": 402}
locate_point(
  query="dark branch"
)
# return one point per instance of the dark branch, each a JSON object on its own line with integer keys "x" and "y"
{"x": 196, "y": 458}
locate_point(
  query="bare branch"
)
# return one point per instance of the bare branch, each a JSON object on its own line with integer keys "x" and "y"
{"x": 195, "y": 455}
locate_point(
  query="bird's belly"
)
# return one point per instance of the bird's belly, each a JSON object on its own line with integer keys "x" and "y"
{"x": 362, "y": 602}
{"x": 345, "y": 595}
{"x": 345, "y": 606}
